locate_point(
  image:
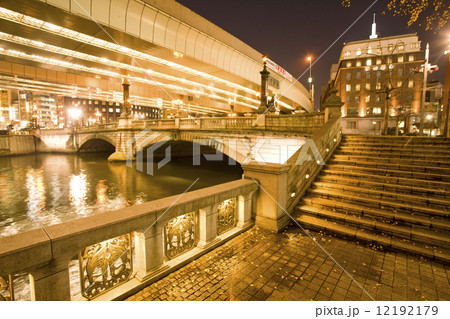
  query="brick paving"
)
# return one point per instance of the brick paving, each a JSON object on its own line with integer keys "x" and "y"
{"x": 263, "y": 265}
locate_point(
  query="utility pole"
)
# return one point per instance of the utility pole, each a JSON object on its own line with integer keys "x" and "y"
{"x": 426, "y": 67}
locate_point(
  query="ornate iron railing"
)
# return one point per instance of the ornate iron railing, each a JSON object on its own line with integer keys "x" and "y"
{"x": 179, "y": 235}
{"x": 226, "y": 215}
{"x": 6, "y": 288}
{"x": 105, "y": 265}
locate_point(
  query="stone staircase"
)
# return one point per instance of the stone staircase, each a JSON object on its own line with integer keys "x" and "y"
{"x": 392, "y": 192}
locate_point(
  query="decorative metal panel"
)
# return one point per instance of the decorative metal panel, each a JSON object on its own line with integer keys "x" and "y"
{"x": 6, "y": 288}
{"x": 226, "y": 215}
{"x": 105, "y": 265}
{"x": 179, "y": 235}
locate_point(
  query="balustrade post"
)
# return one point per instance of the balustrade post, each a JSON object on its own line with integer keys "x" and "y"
{"x": 207, "y": 226}
{"x": 244, "y": 207}
{"x": 149, "y": 247}
{"x": 51, "y": 282}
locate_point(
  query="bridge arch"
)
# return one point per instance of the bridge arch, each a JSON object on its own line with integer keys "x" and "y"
{"x": 227, "y": 146}
{"x": 88, "y": 141}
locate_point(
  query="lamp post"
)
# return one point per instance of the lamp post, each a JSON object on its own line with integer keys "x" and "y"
{"x": 425, "y": 79}
{"x": 446, "y": 94}
{"x": 264, "y": 87}
{"x": 310, "y": 81}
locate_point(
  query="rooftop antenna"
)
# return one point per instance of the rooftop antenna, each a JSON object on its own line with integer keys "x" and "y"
{"x": 374, "y": 34}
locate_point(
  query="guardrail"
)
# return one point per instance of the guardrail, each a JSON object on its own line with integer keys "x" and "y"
{"x": 126, "y": 249}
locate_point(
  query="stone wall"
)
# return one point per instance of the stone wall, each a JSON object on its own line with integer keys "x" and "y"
{"x": 17, "y": 144}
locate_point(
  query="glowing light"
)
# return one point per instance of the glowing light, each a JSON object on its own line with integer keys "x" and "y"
{"x": 307, "y": 176}
{"x": 74, "y": 113}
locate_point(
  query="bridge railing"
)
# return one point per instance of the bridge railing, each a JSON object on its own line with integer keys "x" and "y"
{"x": 121, "y": 250}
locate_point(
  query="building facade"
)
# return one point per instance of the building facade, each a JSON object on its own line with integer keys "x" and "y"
{"x": 376, "y": 75}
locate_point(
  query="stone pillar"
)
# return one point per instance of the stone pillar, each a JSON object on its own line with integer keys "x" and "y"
{"x": 244, "y": 207}
{"x": 332, "y": 106}
{"x": 271, "y": 199}
{"x": 51, "y": 283}
{"x": 264, "y": 88}
{"x": 207, "y": 226}
{"x": 149, "y": 247}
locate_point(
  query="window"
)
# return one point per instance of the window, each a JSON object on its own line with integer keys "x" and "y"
{"x": 415, "y": 45}
{"x": 390, "y": 47}
{"x": 358, "y": 63}
{"x": 348, "y": 99}
{"x": 378, "y": 74}
{"x": 348, "y": 87}
{"x": 349, "y": 76}
{"x": 410, "y": 97}
{"x": 401, "y": 46}
{"x": 103, "y": 102}
{"x": 111, "y": 110}
{"x": 379, "y": 49}
{"x": 400, "y": 59}
{"x": 378, "y": 86}
{"x": 357, "y": 99}
{"x": 349, "y": 64}
{"x": 347, "y": 53}
{"x": 358, "y": 52}
{"x": 351, "y": 125}
{"x": 358, "y": 87}
{"x": 369, "y": 62}
{"x": 367, "y": 86}
{"x": 400, "y": 72}
{"x": 358, "y": 75}
{"x": 369, "y": 50}
{"x": 411, "y": 58}
{"x": 117, "y": 110}
{"x": 367, "y": 98}
{"x": 96, "y": 102}
{"x": 389, "y": 60}
{"x": 367, "y": 75}
{"x": 399, "y": 83}
{"x": 378, "y": 61}
{"x": 352, "y": 111}
{"x": 376, "y": 110}
{"x": 103, "y": 110}
{"x": 411, "y": 84}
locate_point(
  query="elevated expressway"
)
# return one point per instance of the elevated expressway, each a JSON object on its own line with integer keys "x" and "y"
{"x": 172, "y": 57}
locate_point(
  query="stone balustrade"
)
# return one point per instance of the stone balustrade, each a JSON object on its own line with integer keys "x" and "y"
{"x": 162, "y": 235}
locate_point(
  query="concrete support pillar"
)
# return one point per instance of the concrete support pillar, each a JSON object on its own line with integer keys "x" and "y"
{"x": 271, "y": 199}
{"x": 149, "y": 247}
{"x": 207, "y": 226}
{"x": 51, "y": 283}
{"x": 244, "y": 207}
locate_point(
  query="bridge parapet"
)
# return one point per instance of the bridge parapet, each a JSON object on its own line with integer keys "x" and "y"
{"x": 165, "y": 234}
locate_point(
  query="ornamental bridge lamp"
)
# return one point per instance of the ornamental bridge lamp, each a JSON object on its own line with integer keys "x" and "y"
{"x": 266, "y": 103}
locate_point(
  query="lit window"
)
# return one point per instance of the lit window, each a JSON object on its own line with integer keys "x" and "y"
{"x": 378, "y": 61}
{"x": 369, "y": 62}
{"x": 367, "y": 86}
{"x": 401, "y": 47}
{"x": 369, "y": 50}
{"x": 411, "y": 58}
{"x": 357, "y": 99}
{"x": 348, "y": 87}
{"x": 378, "y": 86}
{"x": 358, "y": 63}
{"x": 389, "y": 59}
{"x": 414, "y": 45}
{"x": 111, "y": 110}
{"x": 358, "y": 52}
{"x": 400, "y": 59}
{"x": 347, "y": 53}
{"x": 358, "y": 87}
{"x": 399, "y": 83}
{"x": 367, "y": 98}
{"x": 117, "y": 110}
{"x": 376, "y": 110}
{"x": 349, "y": 64}
{"x": 390, "y": 47}
{"x": 411, "y": 84}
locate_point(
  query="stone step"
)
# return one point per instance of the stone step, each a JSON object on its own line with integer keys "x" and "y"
{"x": 393, "y": 166}
{"x": 390, "y": 154}
{"x": 393, "y": 159}
{"x": 386, "y": 185}
{"x": 438, "y": 185}
{"x": 420, "y": 221}
{"x": 391, "y": 172}
{"x": 393, "y": 205}
{"x": 439, "y": 203}
{"x": 433, "y": 237}
{"x": 396, "y": 139}
{"x": 401, "y": 144}
{"x": 419, "y": 150}
{"x": 385, "y": 241}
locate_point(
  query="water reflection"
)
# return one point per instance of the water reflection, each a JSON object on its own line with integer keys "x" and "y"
{"x": 78, "y": 193}
{"x": 45, "y": 189}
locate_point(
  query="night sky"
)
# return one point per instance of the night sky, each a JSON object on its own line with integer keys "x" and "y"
{"x": 290, "y": 30}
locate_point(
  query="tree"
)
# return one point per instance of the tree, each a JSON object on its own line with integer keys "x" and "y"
{"x": 432, "y": 14}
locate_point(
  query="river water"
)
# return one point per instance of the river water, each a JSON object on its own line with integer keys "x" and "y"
{"x": 45, "y": 189}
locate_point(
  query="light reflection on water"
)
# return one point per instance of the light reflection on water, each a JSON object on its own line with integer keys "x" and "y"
{"x": 46, "y": 189}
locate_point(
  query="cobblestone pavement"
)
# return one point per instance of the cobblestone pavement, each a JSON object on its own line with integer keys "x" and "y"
{"x": 263, "y": 265}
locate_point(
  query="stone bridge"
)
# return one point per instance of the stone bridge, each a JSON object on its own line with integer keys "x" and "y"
{"x": 267, "y": 138}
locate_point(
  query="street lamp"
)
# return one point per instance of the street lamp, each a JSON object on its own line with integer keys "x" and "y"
{"x": 310, "y": 81}
{"x": 75, "y": 115}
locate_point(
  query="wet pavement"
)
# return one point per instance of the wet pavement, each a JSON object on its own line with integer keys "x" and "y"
{"x": 263, "y": 265}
